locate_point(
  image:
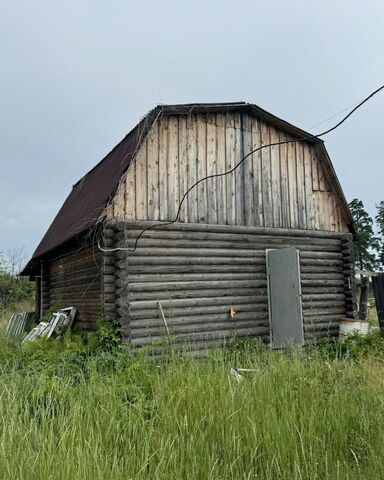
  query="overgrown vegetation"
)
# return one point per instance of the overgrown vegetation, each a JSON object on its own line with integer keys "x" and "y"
{"x": 86, "y": 408}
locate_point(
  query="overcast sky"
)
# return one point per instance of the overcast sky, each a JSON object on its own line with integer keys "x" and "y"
{"x": 77, "y": 76}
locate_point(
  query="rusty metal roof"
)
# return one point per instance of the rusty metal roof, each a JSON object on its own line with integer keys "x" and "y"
{"x": 84, "y": 207}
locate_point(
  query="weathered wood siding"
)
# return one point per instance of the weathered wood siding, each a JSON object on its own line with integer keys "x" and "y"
{"x": 198, "y": 272}
{"x": 282, "y": 186}
{"x": 75, "y": 280}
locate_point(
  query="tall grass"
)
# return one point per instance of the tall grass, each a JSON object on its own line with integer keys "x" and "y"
{"x": 69, "y": 413}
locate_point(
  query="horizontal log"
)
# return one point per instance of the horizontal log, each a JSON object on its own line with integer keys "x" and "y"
{"x": 108, "y": 278}
{"x": 70, "y": 282}
{"x": 324, "y": 290}
{"x": 79, "y": 290}
{"x": 196, "y": 285}
{"x": 109, "y": 288}
{"x": 322, "y": 297}
{"x": 255, "y": 243}
{"x": 108, "y": 243}
{"x": 323, "y": 255}
{"x": 109, "y": 308}
{"x": 319, "y": 311}
{"x": 315, "y": 318}
{"x": 76, "y": 274}
{"x": 326, "y": 282}
{"x": 109, "y": 269}
{"x": 320, "y": 262}
{"x": 195, "y": 348}
{"x": 208, "y": 327}
{"x": 201, "y": 227}
{"x": 80, "y": 259}
{"x": 234, "y": 260}
{"x": 317, "y": 327}
{"x": 74, "y": 302}
{"x": 223, "y": 293}
{"x": 109, "y": 297}
{"x": 206, "y": 310}
{"x": 242, "y": 268}
{"x": 315, "y": 337}
{"x": 197, "y": 251}
{"x": 108, "y": 232}
{"x": 109, "y": 259}
{"x": 252, "y": 317}
{"x": 190, "y": 277}
{"x": 202, "y": 336}
{"x": 76, "y": 295}
{"x": 198, "y": 302}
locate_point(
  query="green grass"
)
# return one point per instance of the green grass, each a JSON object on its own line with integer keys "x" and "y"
{"x": 70, "y": 411}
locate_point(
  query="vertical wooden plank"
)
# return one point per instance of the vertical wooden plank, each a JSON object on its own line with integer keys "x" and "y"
{"x": 275, "y": 177}
{"x": 183, "y": 176}
{"x": 292, "y": 181}
{"x": 221, "y": 182}
{"x": 301, "y": 200}
{"x": 163, "y": 167}
{"x": 130, "y": 189}
{"x": 315, "y": 173}
{"x": 322, "y": 181}
{"x": 257, "y": 173}
{"x": 266, "y": 175}
{"x": 109, "y": 210}
{"x": 328, "y": 211}
{"x": 308, "y": 178}
{"x": 119, "y": 202}
{"x": 141, "y": 183}
{"x": 230, "y": 163}
{"x": 211, "y": 168}
{"x": 333, "y": 214}
{"x": 239, "y": 173}
{"x": 202, "y": 167}
{"x": 192, "y": 163}
{"x": 153, "y": 172}
{"x": 249, "y": 202}
{"x": 173, "y": 167}
{"x": 284, "y": 182}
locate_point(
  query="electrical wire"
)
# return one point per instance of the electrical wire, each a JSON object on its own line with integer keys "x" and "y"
{"x": 228, "y": 172}
{"x": 333, "y": 116}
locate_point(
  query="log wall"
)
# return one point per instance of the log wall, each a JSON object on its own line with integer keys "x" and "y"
{"x": 199, "y": 271}
{"x": 74, "y": 279}
{"x": 284, "y": 186}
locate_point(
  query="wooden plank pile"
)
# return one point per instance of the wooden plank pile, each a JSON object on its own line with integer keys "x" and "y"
{"x": 20, "y": 324}
{"x": 57, "y": 322}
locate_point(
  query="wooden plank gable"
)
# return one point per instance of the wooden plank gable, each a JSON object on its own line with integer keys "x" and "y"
{"x": 280, "y": 186}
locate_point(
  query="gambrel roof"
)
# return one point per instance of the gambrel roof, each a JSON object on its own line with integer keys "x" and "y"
{"x": 85, "y": 206}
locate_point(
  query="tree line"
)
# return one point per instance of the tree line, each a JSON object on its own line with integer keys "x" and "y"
{"x": 368, "y": 244}
{"x": 368, "y": 247}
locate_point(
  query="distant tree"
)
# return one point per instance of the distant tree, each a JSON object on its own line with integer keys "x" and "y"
{"x": 365, "y": 247}
{"x": 366, "y": 244}
{"x": 13, "y": 289}
{"x": 380, "y": 226}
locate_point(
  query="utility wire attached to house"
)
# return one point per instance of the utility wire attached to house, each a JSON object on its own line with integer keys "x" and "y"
{"x": 217, "y": 175}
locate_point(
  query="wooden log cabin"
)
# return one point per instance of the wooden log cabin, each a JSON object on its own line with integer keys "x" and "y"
{"x": 265, "y": 251}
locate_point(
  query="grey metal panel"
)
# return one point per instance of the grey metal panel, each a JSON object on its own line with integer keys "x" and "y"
{"x": 284, "y": 290}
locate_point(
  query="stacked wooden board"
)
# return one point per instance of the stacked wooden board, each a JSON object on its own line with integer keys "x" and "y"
{"x": 19, "y": 324}
{"x": 56, "y": 324}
